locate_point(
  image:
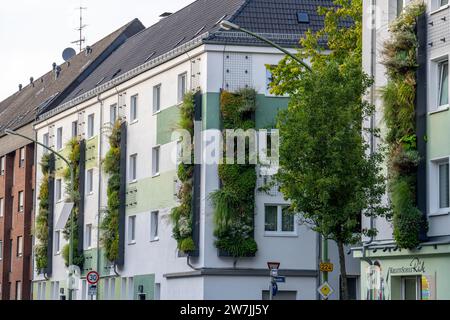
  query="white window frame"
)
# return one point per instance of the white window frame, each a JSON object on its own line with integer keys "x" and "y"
{"x": 157, "y": 98}
{"x": 133, "y": 108}
{"x": 154, "y": 226}
{"x": 90, "y": 181}
{"x": 2, "y": 207}
{"x": 279, "y": 232}
{"x": 58, "y": 190}
{"x": 133, "y": 168}
{"x": 59, "y": 136}
{"x": 131, "y": 229}
{"x": 156, "y": 161}
{"x": 74, "y": 129}
{"x": 403, "y": 286}
{"x": 88, "y": 236}
{"x": 440, "y": 80}
{"x": 45, "y": 142}
{"x": 22, "y": 157}
{"x": 433, "y": 182}
{"x": 91, "y": 125}
{"x": 113, "y": 113}
{"x": 2, "y": 165}
{"x": 19, "y": 250}
{"x": 182, "y": 79}
{"x": 57, "y": 240}
{"x": 20, "y": 202}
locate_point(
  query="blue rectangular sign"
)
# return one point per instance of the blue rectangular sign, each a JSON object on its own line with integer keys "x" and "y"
{"x": 280, "y": 279}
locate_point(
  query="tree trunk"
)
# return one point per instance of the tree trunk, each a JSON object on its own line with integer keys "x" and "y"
{"x": 344, "y": 288}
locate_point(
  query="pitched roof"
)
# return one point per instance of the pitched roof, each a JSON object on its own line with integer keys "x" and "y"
{"x": 276, "y": 19}
{"x": 20, "y": 108}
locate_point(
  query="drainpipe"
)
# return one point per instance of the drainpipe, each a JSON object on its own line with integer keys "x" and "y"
{"x": 99, "y": 185}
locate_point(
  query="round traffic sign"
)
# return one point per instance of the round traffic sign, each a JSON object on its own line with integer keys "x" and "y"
{"x": 92, "y": 277}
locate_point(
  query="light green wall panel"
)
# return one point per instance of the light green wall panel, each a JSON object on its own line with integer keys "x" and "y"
{"x": 151, "y": 193}
{"x": 211, "y": 111}
{"x": 35, "y": 291}
{"x": 60, "y": 165}
{"x": 91, "y": 152}
{"x": 148, "y": 281}
{"x": 438, "y": 133}
{"x": 267, "y": 109}
{"x": 90, "y": 258}
{"x": 167, "y": 122}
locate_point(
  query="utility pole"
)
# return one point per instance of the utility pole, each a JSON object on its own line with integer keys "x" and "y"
{"x": 80, "y": 29}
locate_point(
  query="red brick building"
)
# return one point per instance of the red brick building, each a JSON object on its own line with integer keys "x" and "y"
{"x": 17, "y": 157}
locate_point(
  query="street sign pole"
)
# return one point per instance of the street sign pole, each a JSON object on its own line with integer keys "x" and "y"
{"x": 273, "y": 267}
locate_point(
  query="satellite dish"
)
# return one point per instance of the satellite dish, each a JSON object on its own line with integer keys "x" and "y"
{"x": 68, "y": 54}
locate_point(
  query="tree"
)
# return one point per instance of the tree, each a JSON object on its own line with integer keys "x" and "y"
{"x": 325, "y": 168}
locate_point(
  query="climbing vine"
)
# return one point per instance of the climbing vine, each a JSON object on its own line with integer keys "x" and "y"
{"x": 181, "y": 216}
{"x": 399, "y": 95}
{"x": 73, "y": 196}
{"x": 234, "y": 202}
{"x": 41, "y": 249}
{"x": 110, "y": 223}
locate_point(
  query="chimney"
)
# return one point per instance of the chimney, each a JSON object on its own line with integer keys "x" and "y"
{"x": 20, "y": 87}
{"x": 57, "y": 72}
{"x": 88, "y": 50}
{"x": 54, "y": 66}
{"x": 32, "y": 81}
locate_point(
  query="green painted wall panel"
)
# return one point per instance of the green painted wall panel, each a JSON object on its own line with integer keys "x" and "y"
{"x": 148, "y": 282}
{"x": 267, "y": 109}
{"x": 166, "y": 123}
{"x": 211, "y": 111}
{"x": 151, "y": 193}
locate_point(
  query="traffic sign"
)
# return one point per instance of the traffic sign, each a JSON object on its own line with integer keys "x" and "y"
{"x": 92, "y": 291}
{"x": 280, "y": 279}
{"x": 325, "y": 290}
{"x": 274, "y": 273}
{"x": 326, "y": 267}
{"x": 273, "y": 265}
{"x": 92, "y": 277}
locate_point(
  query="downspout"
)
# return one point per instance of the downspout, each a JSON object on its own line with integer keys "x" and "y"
{"x": 99, "y": 184}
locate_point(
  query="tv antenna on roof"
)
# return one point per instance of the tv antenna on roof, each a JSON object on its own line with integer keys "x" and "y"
{"x": 81, "y": 40}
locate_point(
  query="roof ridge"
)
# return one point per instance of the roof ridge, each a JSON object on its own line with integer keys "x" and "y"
{"x": 239, "y": 10}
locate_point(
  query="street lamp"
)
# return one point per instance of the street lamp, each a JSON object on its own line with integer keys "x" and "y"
{"x": 72, "y": 178}
{"x": 227, "y": 25}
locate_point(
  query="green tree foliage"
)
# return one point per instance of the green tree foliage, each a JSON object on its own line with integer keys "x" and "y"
{"x": 74, "y": 196}
{"x": 181, "y": 216}
{"x": 110, "y": 223}
{"x": 325, "y": 168}
{"x": 400, "y": 59}
{"x": 42, "y": 227}
{"x": 234, "y": 202}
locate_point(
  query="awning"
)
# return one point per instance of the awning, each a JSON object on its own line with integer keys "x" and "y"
{"x": 64, "y": 216}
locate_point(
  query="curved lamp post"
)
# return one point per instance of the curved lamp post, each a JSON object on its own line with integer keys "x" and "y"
{"x": 72, "y": 178}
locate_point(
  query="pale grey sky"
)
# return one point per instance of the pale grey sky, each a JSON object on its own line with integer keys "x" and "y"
{"x": 33, "y": 33}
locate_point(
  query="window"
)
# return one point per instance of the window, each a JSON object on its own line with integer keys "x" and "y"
{"x": 18, "y": 290}
{"x": 90, "y": 181}
{"x": 2, "y": 207}
{"x": 400, "y": 6}
{"x": 133, "y": 168}
{"x": 57, "y": 242}
{"x": 20, "y": 204}
{"x": 132, "y": 229}
{"x": 59, "y": 133}
{"x": 278, "y": 219}
{"x": 54, "y": 290}
{"x": 88, "y": 236}
{"x": 19, "y": 246}
{"x": 45, "y": 142}
{"x": 74, "y": 129}
{"x": 352, "y": 286}
{"x": 182, "y": 86}
{"x": 444, "y": 191}
{"x": 443, "y": 83}
{"x": 156, "y": 98}
{"x": 410, "y": 288}
{"x": 22, "y": 157}
{"x": 133, "y": 108}
{"x": 113, "y": 113}
{"x": 1, "y": 250}
{"x": 2, "y": 166}
{"x": 154, "y": 219}
{"x": 90, "y": 126}
{"x": 58, "y": 190}
{"x": 444, "y": 2}
{"x": 155, "y": 158}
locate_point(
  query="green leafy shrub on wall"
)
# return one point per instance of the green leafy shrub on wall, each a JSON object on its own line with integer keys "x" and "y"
{"x": 234, "y": 202}
{"x": 400, "y": 59}
{"x": 181, "y": 216}
{"x": 41, "y": 231}
{"x": 110, "y": 223}
{"x": 74, "y": 196}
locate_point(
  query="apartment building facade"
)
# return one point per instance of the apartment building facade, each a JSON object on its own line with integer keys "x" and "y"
{"x": 17, "y": 158}
{"x": 142, "y": 84}
{"x": 420, "y": 273}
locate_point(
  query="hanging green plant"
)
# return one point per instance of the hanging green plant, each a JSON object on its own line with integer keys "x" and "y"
{"x": 110, "y": 223}
{"x": 41, "y": 249}
{"x": 400, "y": 59}
{"x": 181, "y": 216}
{"x": 73, "y": 196}
{"x": 234, "y": 202}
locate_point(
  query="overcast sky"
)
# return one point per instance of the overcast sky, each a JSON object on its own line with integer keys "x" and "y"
{"x": 33, "y": 33}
